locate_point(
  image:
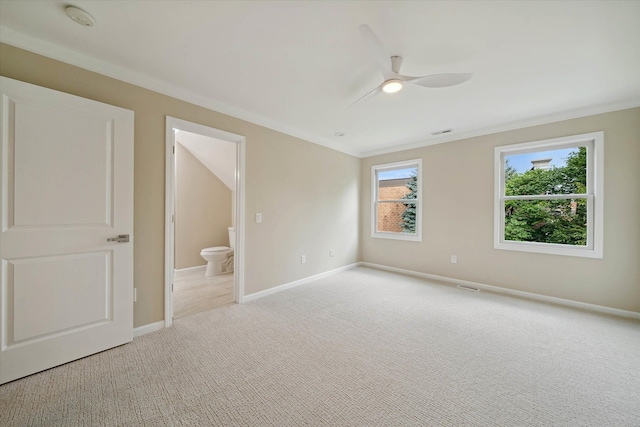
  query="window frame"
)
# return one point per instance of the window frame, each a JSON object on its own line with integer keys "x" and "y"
{"x": 417, "y": 237}
{"x": 594, "y": 142}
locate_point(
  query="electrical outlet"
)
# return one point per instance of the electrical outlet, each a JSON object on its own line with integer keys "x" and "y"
{"x": 332, "y": 252}
{"x": 454, "y": 259}
{"x": 303, "y": 259}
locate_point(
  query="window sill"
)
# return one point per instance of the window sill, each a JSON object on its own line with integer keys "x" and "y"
{"x": 549, "y": 249}
{"x": 397, "y": 236}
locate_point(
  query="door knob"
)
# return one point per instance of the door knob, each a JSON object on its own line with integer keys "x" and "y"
{"x": 122, "y": 238}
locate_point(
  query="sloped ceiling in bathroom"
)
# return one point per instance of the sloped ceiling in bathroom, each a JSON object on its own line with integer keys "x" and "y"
{"x": 218, "y": 156}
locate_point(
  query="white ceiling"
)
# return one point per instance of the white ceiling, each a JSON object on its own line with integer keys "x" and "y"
{"x": 296, "y": 66}
{"x": 216, "y": 155}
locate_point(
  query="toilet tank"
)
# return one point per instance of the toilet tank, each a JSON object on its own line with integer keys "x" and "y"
{"x": 232, "y": 237}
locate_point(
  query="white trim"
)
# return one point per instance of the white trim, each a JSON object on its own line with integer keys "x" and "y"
{"x": 280, "y": 288}
{"x": 183, "y": 271}
{"x": 156, "y": 326}
{"x": 240, "y": 224}
{"x": 240, "y": 141}
{"x": 151, "y": 327}
{"x": 417, "y": 237}
{"x": 54, "y": 51}
{"x": 506, "y": 291}
{"x": 548, "y": 197}
{"x": 518, "y": 124}
{"x": 594, "y": 196}
{"x": 169, "y": 197}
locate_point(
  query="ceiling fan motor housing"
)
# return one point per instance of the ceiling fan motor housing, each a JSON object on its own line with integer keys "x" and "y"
{"x": 396, "y": 62}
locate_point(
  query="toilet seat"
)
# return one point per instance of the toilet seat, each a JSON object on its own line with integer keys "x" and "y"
{"x": 215, "y": 249}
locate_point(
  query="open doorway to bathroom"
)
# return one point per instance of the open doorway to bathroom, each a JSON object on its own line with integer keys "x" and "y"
{"x": 204, "y": 213}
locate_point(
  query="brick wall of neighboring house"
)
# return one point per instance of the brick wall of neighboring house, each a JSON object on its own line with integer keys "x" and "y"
{"x": 390, "y": 214}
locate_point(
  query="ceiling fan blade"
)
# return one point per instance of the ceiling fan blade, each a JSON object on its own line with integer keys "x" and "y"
{"x": 377, "y": 51}
{"x": 367, "y": 96}
{"x": 439, "y": 80}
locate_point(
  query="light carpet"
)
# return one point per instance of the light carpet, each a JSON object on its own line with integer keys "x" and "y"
{"x": 360, "y": 348}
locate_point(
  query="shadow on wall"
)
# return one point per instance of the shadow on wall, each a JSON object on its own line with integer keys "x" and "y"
{"x": 205, "y": 190}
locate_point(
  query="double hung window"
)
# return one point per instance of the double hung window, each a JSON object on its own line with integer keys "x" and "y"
{"x": 548, "y": 196}
{"x": 397, "y": 199}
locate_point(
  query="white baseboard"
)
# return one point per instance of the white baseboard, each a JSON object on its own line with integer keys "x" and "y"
{"x": 180, "y": 272}
{"x": 151, "y": 327}
{"x": 290, "y": 285}
{"x": 522, "y": 294}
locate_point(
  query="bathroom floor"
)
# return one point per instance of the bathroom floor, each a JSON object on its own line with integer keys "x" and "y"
{"x": 193, "y": 292}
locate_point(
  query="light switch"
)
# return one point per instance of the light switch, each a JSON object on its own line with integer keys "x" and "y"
{"x": 258, "y": 217}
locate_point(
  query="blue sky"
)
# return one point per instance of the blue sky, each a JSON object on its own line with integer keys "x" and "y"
{"x": 396, "y": 174}
{"x": 522, "y": 162}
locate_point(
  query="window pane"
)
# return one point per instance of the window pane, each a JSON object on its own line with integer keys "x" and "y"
{"x": 396, "y": 217}
{"x": 562, "y": 171}
{"x": 396, "y": 188}
{"x": 397, "y": 184}
{"x": 561, "y": 221}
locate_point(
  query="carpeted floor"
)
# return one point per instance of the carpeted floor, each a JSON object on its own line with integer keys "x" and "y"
{"x": 360, "y": 348}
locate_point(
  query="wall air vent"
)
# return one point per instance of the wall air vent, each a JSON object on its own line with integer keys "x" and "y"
{"x": 440, "y": 132}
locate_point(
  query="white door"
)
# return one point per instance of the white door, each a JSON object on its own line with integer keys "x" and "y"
{"x": 66, "y": 187}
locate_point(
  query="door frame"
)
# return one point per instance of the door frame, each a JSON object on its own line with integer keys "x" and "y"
{"x": 170, "y": 180}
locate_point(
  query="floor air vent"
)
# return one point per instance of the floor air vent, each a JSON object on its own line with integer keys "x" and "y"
{"x": 468, "y": 288}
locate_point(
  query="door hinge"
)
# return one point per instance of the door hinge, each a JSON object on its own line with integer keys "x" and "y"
{"x": 172, "y": 218}
{"x": 172, "y": 287}
{"x": 174, "y": 149}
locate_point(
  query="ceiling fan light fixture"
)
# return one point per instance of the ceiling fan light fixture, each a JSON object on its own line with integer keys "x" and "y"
{"x": 392, "y": 85}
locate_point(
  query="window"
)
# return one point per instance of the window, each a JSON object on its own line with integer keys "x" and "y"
{"x": 548, "y": 196}
{"x": 397, "y": 198}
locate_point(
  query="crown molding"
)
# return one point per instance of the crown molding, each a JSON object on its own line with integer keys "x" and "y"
{"x": 62, "y": 54}
{"x": 68, "y": 56}
{"x": 519, "y": 124}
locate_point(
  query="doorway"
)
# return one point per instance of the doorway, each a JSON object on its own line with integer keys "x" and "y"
{"x": 191, "y": 283}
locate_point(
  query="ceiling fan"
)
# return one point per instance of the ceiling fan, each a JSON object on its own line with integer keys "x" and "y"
{"x": 389, "y": 66}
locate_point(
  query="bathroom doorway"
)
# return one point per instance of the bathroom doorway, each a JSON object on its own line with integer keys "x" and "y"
{"x": 204, "y": 219}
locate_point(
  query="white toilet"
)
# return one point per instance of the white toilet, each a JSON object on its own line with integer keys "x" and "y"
{"x": 220, "y": 258}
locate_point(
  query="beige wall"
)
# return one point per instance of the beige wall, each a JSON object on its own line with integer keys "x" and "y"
{"x": 203, "y": 210}
{"x": 458, "y": 218}
{"x": 314, "y": 199}
{"x": 308, "y": 194}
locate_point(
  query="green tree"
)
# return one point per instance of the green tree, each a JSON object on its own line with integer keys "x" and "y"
{"x": 575, "y": 172}
{"x": 409, "y": 214}
{"x": 509, "y": 171}
{"x": 572, "y": 229}
{"x": 560, "y": 221}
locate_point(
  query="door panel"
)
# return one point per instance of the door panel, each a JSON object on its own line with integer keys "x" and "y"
{"x": 68, "y": 305}
{"x": 69, "y": 176}
{"x": 66, "y": 187}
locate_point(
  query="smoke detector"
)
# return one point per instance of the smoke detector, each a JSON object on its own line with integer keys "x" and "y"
{"x": 80, "y": 16}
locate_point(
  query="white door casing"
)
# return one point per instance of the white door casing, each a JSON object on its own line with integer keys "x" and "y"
{"x": 66, "y": 186}
{"x": 173, "y": 124}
